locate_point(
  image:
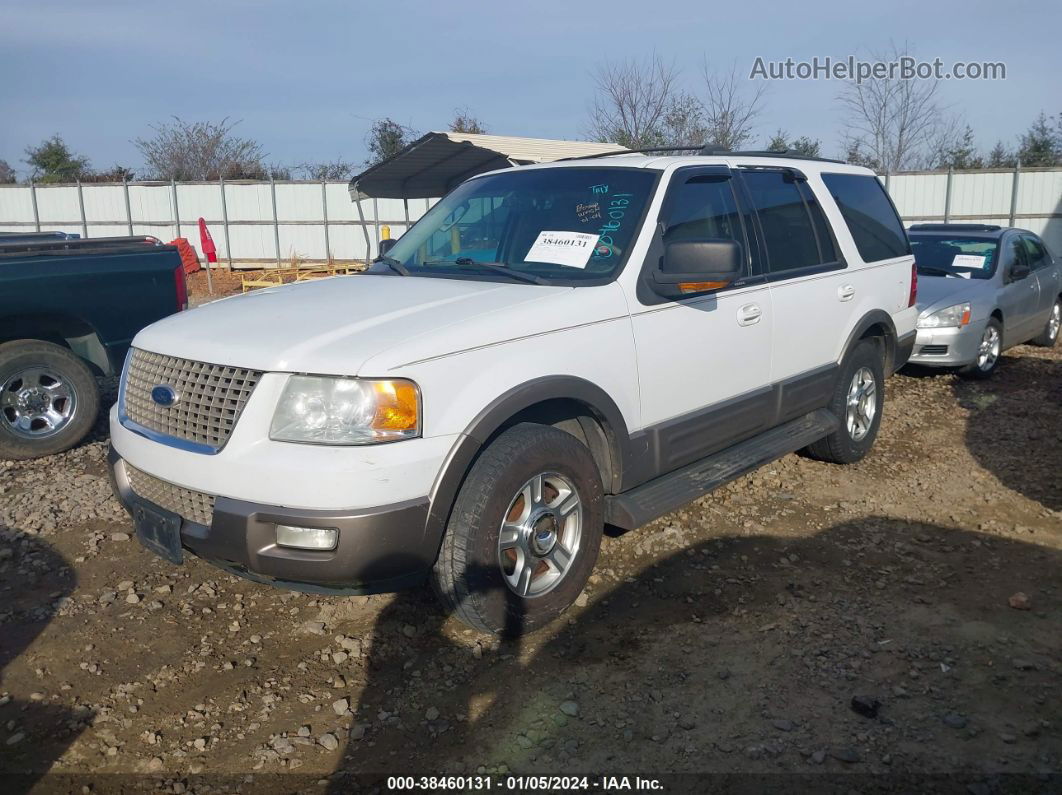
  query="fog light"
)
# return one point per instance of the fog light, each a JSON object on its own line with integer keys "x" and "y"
{"x": 307, "y": 537}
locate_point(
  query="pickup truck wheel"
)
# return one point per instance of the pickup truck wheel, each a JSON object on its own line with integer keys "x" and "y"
{"x": 857, "y": 402}
{"x": 48, "y": 399}
{"x": 524, "y": 533}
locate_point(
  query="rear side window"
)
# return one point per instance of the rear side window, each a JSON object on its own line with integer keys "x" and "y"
{"x": 794, "y": 231}
{"x": 871, "y": 218}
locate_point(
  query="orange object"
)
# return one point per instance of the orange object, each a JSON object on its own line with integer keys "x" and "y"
{"x": 188, "y": 255}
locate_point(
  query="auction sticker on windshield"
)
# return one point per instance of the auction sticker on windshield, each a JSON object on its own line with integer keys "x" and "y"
{"x": 972, "y": 261}
{"x": 572, "y": 249}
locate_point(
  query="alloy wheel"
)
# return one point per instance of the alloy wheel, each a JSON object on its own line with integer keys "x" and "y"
{"x": 37, "y": 402}
{"x": 540, "y": 535}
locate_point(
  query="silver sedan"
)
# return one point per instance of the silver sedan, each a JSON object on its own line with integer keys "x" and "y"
{"x": 982, "y": 289}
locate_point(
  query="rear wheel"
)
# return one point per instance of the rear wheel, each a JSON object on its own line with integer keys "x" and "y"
{"x": 857, "y": 402}
{"x": 524, "y": 533}
{"x": 988, "y": 352}
{"x": 48, "y": 399}
{"x": 1049, "y": 335}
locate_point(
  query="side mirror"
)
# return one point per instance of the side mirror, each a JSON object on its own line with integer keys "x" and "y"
{"x": 386, "y": 245}
{"x": 691, "y": 267}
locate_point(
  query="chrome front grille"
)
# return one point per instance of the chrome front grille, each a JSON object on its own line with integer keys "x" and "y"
{"x": 209, "y": 398}
{"x": 193, "y": 506}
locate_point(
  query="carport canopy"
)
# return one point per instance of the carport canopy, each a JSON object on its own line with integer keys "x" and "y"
{"x": 438, "y": 161}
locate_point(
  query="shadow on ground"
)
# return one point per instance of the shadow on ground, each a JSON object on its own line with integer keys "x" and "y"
{"x": 34, "y": 579}
{"x": 741, "y": 656}
{"x": 1015, "y": 429}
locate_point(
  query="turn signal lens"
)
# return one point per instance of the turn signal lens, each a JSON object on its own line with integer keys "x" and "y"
{"x": 396, "y": 406}
{"x": 700, "y": 287}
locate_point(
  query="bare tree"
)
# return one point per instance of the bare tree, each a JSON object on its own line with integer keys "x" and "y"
{"x": 201, "y": 151}
{"x": 336, "y": 169}
{"x": 631, "y": 102}
{"x": 892, "y": 120}
{"x": 730, "y": 108}
{"x": 465, "y": 122}
{"x": 7, "y": 174}
{"x": 386, "y": 138}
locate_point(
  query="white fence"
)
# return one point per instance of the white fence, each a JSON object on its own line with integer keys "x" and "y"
{"x": 250, "y": 222}
{"x": 264, "y": 222}
{"x": 1028, "y": 198}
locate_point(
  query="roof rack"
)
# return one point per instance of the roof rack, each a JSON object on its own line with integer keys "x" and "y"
{"x": 955, "y": 227}
{"x": 709, "y": 150}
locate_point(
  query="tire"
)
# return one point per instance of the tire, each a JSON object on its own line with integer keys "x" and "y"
{"x": 853, "y": 440}
{"x": 1049, "y": 335}
{"x": 49, "y": 399}
{"x": 479, "y": 581}
{"x": 989, "y": 353}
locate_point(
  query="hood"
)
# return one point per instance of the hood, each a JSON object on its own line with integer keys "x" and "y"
{"x": 333, "y": 326}
{"x": 938, "y": 292}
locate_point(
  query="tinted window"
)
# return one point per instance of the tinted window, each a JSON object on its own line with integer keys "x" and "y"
{"x": 788, "y": 231}
{"x": 703, "y": 206}
{"x": 1035, "y": 253}
{"x": 875, "y": 227}
{"x": 827, "y": 253}
{"x": 1013, "y": 254}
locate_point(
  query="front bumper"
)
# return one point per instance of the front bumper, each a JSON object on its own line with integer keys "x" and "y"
{"x": 948, "y": 347}
{"x": 379, "y": 550}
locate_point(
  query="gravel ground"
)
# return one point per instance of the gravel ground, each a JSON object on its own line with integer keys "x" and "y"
{"x": 900, "y": 616}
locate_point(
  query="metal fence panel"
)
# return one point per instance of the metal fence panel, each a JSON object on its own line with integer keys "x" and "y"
{"x": 315, "y": 221}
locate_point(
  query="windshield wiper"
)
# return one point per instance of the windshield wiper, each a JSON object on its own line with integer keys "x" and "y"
{"x": 496, "y": 267}
{"x": 938, "y": 271}
{"x": 393, "y": 264}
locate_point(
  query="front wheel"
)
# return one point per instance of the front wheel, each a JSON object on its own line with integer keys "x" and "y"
{"x": 48, "y": 399}
{"x": 1049, "y": 335}
{"x": 524, "y": 533}
{"x": 857, "y": 401}
{"x": 988, "y": 352}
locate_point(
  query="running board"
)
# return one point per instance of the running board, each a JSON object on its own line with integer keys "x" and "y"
{"x": 670, "y": 492}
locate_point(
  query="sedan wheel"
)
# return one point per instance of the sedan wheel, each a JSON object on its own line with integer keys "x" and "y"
{"x": 988, "y": 351}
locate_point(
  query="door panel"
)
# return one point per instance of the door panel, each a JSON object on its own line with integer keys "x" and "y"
{"x": 1019, "y": 298}
{"x": 704, "y": 376}
{"x": 1047, "y": 278}
{"x": 704, "y": 360}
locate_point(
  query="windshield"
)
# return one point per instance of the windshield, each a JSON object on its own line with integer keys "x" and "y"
{"x": 566, "y": 225}
{"x": 962, "y": 257}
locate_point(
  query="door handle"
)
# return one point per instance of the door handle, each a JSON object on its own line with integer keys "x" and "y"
{"x": 749, "y": 314}
{"x": 846, "y": 292}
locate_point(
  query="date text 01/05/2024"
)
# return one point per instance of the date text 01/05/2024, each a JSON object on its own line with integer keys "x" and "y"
{"x": 525, "y": 783}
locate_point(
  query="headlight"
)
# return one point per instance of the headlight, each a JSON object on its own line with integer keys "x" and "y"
{"x": 958, "y": 315}
{"x": 323, "y": 410}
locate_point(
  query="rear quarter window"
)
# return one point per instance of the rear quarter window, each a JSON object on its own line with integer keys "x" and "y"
{"x": 876, "y": 228}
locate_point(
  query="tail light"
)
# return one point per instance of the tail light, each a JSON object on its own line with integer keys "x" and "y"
{"x": 182, "y": 288}
{"x": 913, "y": 296}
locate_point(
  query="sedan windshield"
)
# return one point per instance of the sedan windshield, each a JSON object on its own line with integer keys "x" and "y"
{"x": 962, "y": 257}
{"x": 548, "y": 225}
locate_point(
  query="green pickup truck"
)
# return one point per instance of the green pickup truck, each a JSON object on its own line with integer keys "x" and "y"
{"x": 68, "y": 310}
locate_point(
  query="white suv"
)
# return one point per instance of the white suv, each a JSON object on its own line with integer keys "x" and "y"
{"x": 548, "y": 350}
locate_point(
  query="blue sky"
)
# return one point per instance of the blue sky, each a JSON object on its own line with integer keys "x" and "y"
{"x": 306, "y": 77}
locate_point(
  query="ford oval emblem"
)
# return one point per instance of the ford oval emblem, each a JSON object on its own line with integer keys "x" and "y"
{"x": 165, "y": 395}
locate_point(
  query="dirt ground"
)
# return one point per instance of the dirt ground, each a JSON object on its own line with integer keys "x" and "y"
{"x": 727, "y": 638}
